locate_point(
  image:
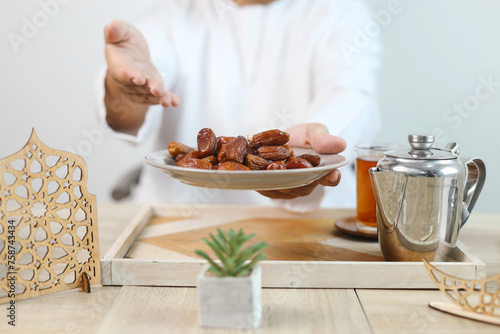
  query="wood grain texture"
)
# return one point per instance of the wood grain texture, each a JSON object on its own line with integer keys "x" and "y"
{"x": 303, "y": 251}
{"x": 458, "y": 311}
{"x": 122, "y": 244}
{"x": 289, "y": 239}
{"x": 71, "y": 311}
{"x": 401, "y": 311}
{"x": 49, "y": 218}
{"x": 175, "y": 310}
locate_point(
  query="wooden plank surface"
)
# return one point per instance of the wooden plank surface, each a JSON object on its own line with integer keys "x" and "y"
{"x": 73, "y": 311}
{"x": 175, "y": 310}
{"x": 406, "y": 311}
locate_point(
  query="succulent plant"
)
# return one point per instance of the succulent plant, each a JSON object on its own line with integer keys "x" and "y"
{"x": 234, "y": 261}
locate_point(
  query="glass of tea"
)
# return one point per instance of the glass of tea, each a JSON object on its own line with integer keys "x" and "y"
{"x": 367, "y": 156}
{"x": 365, "y": 222}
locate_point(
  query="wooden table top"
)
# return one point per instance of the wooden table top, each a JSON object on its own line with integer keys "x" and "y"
{"x": 132, "y": 309}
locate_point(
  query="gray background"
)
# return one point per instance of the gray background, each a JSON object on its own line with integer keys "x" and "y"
{"x": 436, "y": 53}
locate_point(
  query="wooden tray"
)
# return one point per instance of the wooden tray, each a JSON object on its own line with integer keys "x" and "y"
{"x": 305, "y": 251}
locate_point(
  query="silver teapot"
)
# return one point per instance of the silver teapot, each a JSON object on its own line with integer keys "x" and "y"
{"x": 424, "y": 196}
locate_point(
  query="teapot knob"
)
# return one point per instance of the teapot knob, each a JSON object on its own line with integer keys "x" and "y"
{"x": 421, "y": 142}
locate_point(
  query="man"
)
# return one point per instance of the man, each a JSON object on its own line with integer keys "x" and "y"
{"x": 239, "y": 68}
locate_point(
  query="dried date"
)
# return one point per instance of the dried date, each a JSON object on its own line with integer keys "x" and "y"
{"x": 295, "y": 163}
{"x": 193, "y": 154}
{"x": 273, "y": 153}
{"x": 289, "y": 149}
{"x": 277, "y": 165}
{"x": 212, "y": 159}
{"x": 207, "y": 142}
{"x": 223, "y": 140}
{"x": 179, "y": 157}
{"x": 194, "y": 163}
{"x": 175, "y": 148}
{"x": 255, "y": 162}
{"x": 237, "y": 150}
{"x": 221, "y": 155}
{"x": 315, "y": 160}
{"x": 269, "y": 138}
{"x": 231, "y": 165}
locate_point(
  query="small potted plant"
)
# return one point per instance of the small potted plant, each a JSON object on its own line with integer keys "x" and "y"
{"x": 229, "y": 292}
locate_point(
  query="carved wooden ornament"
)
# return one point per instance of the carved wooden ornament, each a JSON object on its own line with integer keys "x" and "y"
{"x": 48, "y": 230}
{"x": 480, "y": 297}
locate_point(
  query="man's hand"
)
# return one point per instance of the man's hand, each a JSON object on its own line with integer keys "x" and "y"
{"x": 315, "y": 136}
{"x": 131, "y": 77}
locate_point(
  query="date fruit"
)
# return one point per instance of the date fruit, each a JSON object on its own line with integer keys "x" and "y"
{"x": 194, "y": 163}
{"x": 231, "y": 165}
{"x": 175, "y": 149}
{"x": 269, "y": 138}
{"x": 273, "y": 153}
{"x": 237, "y": 150}
{"x": 276, "y": 165}
{"x": 207, "y": 142}
{"x": 221, "y": 155}
{"x": 223, "y": 140}
{"x": 312, "y": 158}
{"x": 255, "y": 162}
{"x": 193, "y": 154}
{"x": 212, "y": 159}
{"x": 295, "y": 163}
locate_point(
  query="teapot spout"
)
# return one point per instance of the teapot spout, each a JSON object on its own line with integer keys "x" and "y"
{"x": 389, "y": 190}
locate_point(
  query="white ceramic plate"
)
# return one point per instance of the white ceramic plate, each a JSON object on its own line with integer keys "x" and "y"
{"x": 247, "y": 180}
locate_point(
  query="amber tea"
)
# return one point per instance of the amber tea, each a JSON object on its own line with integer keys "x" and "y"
{"x": 366, "y": 205}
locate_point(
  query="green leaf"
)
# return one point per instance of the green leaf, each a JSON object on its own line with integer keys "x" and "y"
{"x": 242, "y": 239}
{"x": 250, "y": 250}
{"x": 219, "y": 244}
{"x": 242, "y": 264}
{"x": 217, "y": 251}
{"x": 232, "y": 242}
{"x": 242, "y": 273}
{"x": 254, "y": 261}
{"x": 222, "y": 236}
{"x": 214, "y": 267}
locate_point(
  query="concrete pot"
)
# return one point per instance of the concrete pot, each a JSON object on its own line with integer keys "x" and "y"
{"x": 230, "y": 302}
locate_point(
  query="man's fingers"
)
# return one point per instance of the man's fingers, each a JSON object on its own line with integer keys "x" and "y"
{"x": 144, "y": 98}
{"x": 321, "y": 141}
{"x": 116, "y": 32}
{"x": 316, "y": 136}
{"x": 165, "y": 100}
{"x": 127, "y": 76}
{"x": 332, "y": 179}
{"x": 176, "y": 101}
{"x": 327, "y": 144}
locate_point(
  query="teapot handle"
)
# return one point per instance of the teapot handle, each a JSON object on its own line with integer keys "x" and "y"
{"x": 476, "y": 174}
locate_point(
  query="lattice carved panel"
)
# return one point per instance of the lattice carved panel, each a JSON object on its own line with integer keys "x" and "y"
{"x": 480, "y": 296}
{"x": 48, "y": 230}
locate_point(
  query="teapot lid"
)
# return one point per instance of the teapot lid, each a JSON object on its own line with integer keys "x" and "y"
{"x": 421, "y": 149}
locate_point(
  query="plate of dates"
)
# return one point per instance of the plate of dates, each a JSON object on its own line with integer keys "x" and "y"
{"x": 262, "y": 162}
